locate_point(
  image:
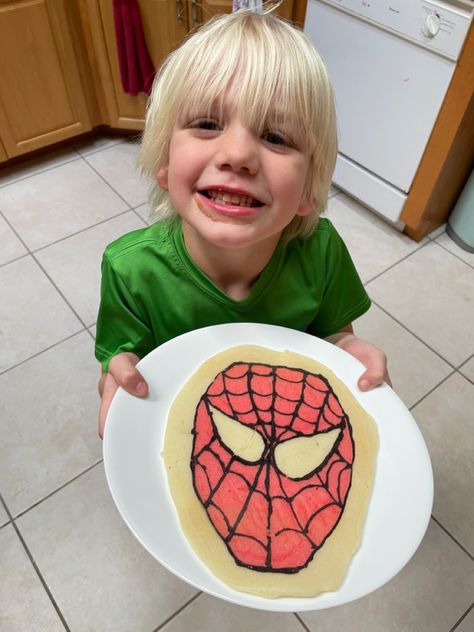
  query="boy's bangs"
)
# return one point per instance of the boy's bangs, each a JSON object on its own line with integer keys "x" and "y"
{"x": 275, "y": 100}
{"x": 270, "y": 102}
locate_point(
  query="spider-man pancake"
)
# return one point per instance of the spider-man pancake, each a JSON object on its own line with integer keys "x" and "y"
{"x": 270, "y": 462}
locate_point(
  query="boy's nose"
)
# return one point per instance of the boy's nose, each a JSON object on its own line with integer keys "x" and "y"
{"x": 238, "y": 150}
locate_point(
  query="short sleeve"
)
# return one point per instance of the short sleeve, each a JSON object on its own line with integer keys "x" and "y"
{"x": 344, "y": 297}
{"x": 120, "y": 324}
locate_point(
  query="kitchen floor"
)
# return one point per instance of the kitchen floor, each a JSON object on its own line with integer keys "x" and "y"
{"x": 67, "y": 559}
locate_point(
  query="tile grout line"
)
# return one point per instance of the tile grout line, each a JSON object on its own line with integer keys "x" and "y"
{"x": 58, "y": 290}
{"x": 149, "y": 221}
{"x": 452, "y": 253}
{"x": 458, "y": 370}
{"x": 435, "y": 238}
{"x": 130, "y": 207}
{"x": 440, "y": 524}
{"x": 183, "y": 607}
{"x": 436, "y": 386}
{"x": 420, "y": 247}
{"x": 58, "y": 241}
{"x": 96, "y": 151}
{"x": 55, "y": 491}
{"x": 462, "y": 618}
{"x": 15, "y": 232}
{"x": 466, "y": 378}
{"x": 59, "y": 164}
{"x": 31, "y": 175}
{"x": 41, "y": 578}
{"x": 7, "y": 263}
{"x": 7, "y": 511}
{"x": 404, "y": 258}
{"x": 470, "y": 380}
{"x": 385, "y": 311}
{"x": 35, "y": 355}
{"x": 82, "y": 230}
{"x": 36, "y": 568}
{"x": 305, "y": 627}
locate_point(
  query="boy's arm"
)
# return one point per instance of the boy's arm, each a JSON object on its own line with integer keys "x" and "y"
{"x": 373, "y": 358}
{"x": 122, "y": 372}
{"x": 121, "y": 327}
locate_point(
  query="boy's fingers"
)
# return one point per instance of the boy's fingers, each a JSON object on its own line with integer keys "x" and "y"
{"x": 373, "y": 358}
{"x": 122, "y": 367}
{"x": 372, "y": 378}
{"x": 122, "y": 372}
{"x": 368, "y": 381}
{"x": 109, "y": 389}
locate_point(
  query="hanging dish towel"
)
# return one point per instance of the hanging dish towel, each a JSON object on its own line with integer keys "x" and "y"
{"x": 136, "y": 68}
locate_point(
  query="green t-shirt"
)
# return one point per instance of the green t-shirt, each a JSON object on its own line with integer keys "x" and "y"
{"x": 152, "y": 291}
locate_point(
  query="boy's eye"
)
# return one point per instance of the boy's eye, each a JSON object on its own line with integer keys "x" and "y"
{"x": 206, "y": 124}
{"x": 275, "y": 138}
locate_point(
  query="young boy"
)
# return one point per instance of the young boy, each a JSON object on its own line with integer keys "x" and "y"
{"x": 240, "y": 139}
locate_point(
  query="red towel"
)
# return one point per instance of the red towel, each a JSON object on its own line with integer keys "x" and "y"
{"x": 136, "y": 68}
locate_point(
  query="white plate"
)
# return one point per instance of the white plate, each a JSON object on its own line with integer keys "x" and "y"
{"x": 399, "y": 510}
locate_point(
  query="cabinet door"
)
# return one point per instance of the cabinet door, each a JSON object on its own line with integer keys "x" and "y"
{"x": 3, "y": 153}
{"x": 165, "y": 24}
{"x": 41, "y": 97}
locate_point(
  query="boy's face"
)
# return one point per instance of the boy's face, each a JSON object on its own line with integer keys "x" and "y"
{"x": 233, "y": 186}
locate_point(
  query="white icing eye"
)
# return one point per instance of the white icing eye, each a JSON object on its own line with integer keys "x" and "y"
{"x": 241, "y": 440}
{"x": 299, "y": 456}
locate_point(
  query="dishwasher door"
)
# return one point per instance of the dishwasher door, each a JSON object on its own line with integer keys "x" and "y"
{"x": 388, "y": 94}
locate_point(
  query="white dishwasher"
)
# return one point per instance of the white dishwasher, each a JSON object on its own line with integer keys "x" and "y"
{"x": 390, "y": 64}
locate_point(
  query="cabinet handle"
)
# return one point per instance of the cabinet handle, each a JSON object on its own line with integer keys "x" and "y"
{"x": 179, "y": 11}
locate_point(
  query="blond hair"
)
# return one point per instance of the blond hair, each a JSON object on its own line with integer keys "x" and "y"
{"x": 282, "y": 79}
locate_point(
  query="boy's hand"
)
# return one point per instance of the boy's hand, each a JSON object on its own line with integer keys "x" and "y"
{"x": 122, "y": 372}
{"x": 373, "y": 358}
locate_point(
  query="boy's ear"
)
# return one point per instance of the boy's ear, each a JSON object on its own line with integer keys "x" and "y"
{"x": 162, "y": 177}
{"x": 304, "y": 209}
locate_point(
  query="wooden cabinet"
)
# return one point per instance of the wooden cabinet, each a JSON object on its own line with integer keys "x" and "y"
{"x": 165, "y": 25}
{"x": 3, "y": 153}
{"x": 59, "y": 69}
{"x": 42, "y": 100}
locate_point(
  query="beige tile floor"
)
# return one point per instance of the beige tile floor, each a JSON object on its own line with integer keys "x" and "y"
{"x": 67, "y": 561}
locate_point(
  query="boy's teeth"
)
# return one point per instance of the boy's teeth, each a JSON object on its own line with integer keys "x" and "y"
{"x": 231, "y": 198}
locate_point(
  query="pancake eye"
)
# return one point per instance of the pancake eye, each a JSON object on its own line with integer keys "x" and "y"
{"x": 243, "y": 441}
{"x": 302, "y": 455}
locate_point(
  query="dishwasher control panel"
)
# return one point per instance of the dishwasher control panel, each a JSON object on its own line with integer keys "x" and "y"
{"x": 436, "y": 25}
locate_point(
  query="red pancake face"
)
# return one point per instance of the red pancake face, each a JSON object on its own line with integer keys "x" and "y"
{"x": 271, "y": 521}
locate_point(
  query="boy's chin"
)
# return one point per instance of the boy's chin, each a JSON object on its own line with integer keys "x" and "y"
{"x": 238, "y": 237}
{"x": 232, "y": 234}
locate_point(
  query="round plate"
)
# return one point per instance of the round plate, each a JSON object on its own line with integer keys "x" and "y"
{"x": 402, "y": 497}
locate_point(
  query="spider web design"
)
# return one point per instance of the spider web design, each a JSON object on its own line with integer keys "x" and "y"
{"x": 269, "y": 521}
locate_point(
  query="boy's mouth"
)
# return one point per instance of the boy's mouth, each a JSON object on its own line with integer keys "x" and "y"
{"x": 232, "y": 199}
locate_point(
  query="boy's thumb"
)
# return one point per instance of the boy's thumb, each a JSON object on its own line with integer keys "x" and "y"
{"x": 370, "y": 379}
{"x": 127, "y": 376}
